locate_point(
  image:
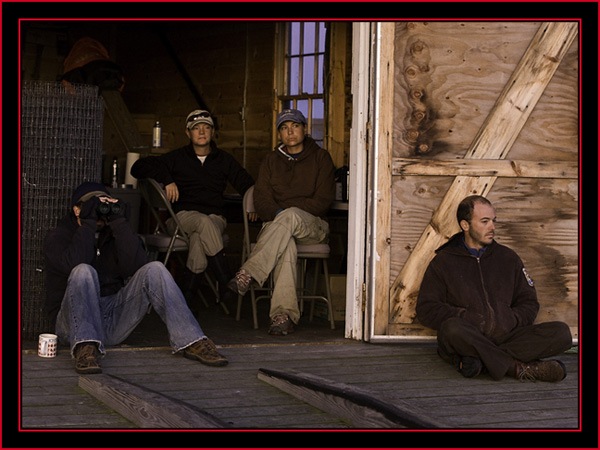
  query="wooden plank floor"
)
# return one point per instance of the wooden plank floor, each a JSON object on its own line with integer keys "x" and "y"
{"x": 410, "y": 373}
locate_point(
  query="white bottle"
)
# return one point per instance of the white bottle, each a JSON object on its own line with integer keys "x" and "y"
{"x": 115, "y": 173}
{"x": 157, "y": 135}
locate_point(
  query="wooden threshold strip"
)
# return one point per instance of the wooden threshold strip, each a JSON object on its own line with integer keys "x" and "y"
{"x": 144, "y": 407}
{"x": 360, "y": 408}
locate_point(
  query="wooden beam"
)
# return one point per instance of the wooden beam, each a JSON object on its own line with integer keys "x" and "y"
{"x": 493, "y": 141}
{"x": 125, "y": 125}
{"x": 381, "y": 226}
{"x": 335, "y": 101}
{"x": 144, "y": 407}
{"x": 361, "y": 408}
{"x": 485, "y": 167}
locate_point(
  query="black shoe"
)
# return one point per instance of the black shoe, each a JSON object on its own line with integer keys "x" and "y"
{"x": 226, "y": 295}
{"x": 469, "y": 366}
{"x": 189, "y": 285}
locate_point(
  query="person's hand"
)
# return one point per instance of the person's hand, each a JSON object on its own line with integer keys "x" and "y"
{"x": 87, "y": 211}
{"x": 253, "y": 216}
{"x": 172, "y": 192}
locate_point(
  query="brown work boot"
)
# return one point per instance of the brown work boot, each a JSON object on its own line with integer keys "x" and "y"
{"x": 281, "y": 324}
{"x": 552, "y": 370}
{"x": 86, "y": 358}
{"x": 240, "y": 283}
{"x": 206, "y": 352}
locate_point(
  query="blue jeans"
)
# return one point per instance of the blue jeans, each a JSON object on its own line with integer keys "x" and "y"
{"x": 85, "y": 316}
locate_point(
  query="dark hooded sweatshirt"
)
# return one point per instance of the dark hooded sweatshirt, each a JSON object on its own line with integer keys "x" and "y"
{"x": 304, "y": 181}
{"x": 493, "y": 291}
{"x": 116, "y": 254}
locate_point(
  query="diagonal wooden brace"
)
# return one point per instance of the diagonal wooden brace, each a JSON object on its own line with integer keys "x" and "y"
{"x": 493, "y": 141}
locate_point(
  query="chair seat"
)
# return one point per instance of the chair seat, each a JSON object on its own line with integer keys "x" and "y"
{"x": 313, "y": 250}
{"x": 319, "y": 253}
{"x": 162, "y": 241}
{"x": 308, "y": 251}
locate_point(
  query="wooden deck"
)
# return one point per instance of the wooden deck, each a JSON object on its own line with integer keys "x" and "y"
{"x": 410, "y": 376}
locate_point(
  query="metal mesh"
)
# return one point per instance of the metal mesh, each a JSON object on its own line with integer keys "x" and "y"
{"x": 61, "y": 146}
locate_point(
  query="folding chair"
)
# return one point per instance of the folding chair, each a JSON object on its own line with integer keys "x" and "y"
{"x": 318, "y": 252}
{"x": 161, "y": 241}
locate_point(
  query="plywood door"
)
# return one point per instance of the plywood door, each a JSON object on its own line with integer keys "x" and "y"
{"x": 417, "y": 192}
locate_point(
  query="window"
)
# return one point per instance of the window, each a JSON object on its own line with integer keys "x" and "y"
{"x": 302, "y": 86}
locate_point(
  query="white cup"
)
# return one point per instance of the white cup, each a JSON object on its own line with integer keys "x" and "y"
{"x": 47, "y": 345}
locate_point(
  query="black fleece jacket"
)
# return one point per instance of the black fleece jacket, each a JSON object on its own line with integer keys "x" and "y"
{"x": 116, "y": 255}
{"x": 493, "y": 291}
{"x": 201, "y": 185}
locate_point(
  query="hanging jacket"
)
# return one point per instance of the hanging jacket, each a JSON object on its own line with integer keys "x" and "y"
{"x": 201, "y": 185}
{"x": 116, "y": 254}
{"x": 493, "y": 291}
{"x": 305, "y": 181}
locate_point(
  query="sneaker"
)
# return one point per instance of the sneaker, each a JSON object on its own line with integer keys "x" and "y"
{"x": 86, "y": 358}
{"x": 281, "y": 325}
{"x": 240, "y": 283}
{"x": 552, "y": 370}
{"x": 469, "y": 366}
{"x": 205, "y": 351}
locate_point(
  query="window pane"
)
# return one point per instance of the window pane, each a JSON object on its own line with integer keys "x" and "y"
{"x": 308, "y": 75}
{"x": 318, "y": 114}
{"x": 321, "y": 37}
{"x": 294, "y": 38}
{"x": 302, "y": 105}
{"x": 309, "y": 37}
{"x": 320, "y": 71}
{"x": 293, "y": 76}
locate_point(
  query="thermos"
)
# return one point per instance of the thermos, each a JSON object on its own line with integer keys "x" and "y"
{"x": 157, "y": 135}
{"x": 115, "y": 173}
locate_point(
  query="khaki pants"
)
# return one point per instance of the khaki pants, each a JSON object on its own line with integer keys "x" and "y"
{"x": 205, "y": 237}
{"x": 276, "y": 252}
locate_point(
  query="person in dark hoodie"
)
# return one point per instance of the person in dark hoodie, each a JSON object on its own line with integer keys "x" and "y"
{"x": 100, "y": 285}
{"x": 195, "y": 178}
{"x": 293, "y": 192}
{"x": 479, "y": 297}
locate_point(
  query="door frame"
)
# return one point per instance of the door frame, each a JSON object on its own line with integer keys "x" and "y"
{"x": 362, "y": 37}
{"x": 371, "y": 162}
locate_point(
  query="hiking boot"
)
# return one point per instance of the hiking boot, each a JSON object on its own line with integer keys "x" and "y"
{"x": 552, "y": 370}
{"x": 281, "y": 325}
{"x": 240, "y": 283}
{"x": 469, "y": 366}
{"x": 86, "y": 358}
{"x": 205, "y": 351}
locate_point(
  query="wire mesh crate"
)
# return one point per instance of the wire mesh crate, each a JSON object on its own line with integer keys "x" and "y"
{"x": 61, "y": 146}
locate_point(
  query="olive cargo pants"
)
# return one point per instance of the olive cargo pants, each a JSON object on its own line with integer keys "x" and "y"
{"x": 275, "y": 251}
{"x": 205, "y": 237}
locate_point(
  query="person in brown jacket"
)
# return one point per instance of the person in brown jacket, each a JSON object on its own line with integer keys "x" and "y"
{"x": 479, "y": 297}
{"x": 293, "y": 192}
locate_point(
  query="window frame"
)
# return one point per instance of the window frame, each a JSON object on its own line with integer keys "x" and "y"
{"x": 282, "y": 76}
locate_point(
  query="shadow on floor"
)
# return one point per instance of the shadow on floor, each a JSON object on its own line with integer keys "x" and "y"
{"x": 224, "y": 329}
